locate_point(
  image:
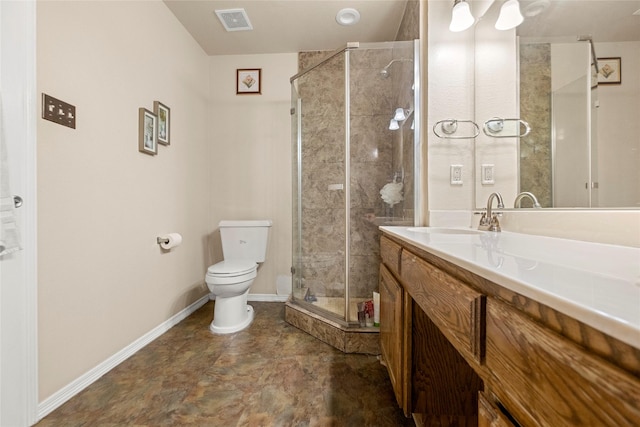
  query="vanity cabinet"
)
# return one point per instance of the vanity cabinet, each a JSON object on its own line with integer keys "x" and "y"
{"x": 477, "y": 353}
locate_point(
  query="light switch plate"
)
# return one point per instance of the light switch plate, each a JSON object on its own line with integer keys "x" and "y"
{"x": 58, "y": 111}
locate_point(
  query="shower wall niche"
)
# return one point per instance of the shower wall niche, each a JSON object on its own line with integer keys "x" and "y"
{"x": 352, "y": 171}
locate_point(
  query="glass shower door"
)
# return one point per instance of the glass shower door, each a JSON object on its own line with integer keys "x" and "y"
{"x": 318, "y": 115}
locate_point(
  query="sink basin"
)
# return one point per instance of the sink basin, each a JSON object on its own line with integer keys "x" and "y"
{"x": 444, "y": 230}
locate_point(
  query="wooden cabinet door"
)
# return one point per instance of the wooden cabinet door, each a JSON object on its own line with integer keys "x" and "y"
{"x": 391, "y": 318}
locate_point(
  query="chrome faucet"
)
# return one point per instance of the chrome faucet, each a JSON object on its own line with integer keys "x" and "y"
{"x": 489, "y": 220}
{"x": 519, "y": 197}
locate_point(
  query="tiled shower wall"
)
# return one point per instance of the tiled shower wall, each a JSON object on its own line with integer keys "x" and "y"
{"x": 376, "y": 156}
{"x": 535, "y": 108}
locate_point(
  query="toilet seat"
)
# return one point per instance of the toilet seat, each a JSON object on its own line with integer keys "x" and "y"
{"x": 231, "y": 272}
{"x": 232, "y": 268}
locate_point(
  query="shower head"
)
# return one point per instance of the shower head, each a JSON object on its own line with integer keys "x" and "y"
{"x": 385, "y": 73}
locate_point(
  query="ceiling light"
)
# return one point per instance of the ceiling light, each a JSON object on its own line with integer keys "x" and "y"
{"x": 348, "y": 16}
{"x": 536, "y": 8}
{"x": 510, "y": 16}
{"x": 461, "y": 17}
{"x": 234, "y": 19}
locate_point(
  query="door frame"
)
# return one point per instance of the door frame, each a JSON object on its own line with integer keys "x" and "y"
{"x": 18, "y": 297}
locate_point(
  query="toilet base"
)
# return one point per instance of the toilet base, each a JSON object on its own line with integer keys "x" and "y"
{"x": 229, "y": 329}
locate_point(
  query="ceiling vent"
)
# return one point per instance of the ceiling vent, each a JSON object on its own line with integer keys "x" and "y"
{"x": 234, "y": 19}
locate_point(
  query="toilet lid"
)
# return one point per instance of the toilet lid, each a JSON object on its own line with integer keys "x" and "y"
{"x": 232, "y": 268}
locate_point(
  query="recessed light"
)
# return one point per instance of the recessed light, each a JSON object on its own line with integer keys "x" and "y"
{"x": 348, "y": 16}
{"x": 536, "y": 8}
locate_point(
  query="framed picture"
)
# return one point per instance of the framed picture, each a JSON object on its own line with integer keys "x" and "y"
{"x": 249, "y": 81}
{"x": 164, "y": 122}
{"x": 609, "y": 71}
{"x": 147, "y": 132}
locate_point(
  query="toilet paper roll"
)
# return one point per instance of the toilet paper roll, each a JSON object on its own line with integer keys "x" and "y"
{"x": 170, "y": 240}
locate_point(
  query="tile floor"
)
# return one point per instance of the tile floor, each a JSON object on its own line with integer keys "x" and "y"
{"x": 270, "y": 374}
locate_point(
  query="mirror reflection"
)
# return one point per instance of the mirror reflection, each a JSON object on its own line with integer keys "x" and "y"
{"x": 583, "y": 149}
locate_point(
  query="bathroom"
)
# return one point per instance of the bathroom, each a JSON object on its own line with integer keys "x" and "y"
{"x": 99, "y": 211}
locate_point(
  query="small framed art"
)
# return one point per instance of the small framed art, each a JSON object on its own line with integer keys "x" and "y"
{"x": 147, "y": 132}
{"x": 609, "y": 71}
{"x": 164, "y": 122}
{"x": 249, "y": 81}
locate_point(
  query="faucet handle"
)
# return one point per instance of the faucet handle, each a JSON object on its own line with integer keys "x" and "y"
{"x": 483, "y": 219}
{"x": 494, "y": 225}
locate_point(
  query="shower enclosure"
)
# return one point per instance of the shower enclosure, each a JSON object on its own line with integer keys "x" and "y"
{"x": 354, "y": 132}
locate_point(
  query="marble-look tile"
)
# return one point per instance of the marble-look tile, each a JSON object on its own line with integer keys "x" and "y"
{"x": 347, "y": 340}
{"x": 535, "y": 108}
{"x": 410, "y": 25}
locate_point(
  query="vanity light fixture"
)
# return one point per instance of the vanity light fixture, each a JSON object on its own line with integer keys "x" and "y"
{"x": 400, "y": 114}
{"x": 348, "y": 16}
{"x": 461, "y": 17}
{"x": 510, "y": 16}
{"x": 393, "y": 125}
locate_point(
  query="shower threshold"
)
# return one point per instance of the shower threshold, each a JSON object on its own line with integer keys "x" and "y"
{"x": 345, "y": 338}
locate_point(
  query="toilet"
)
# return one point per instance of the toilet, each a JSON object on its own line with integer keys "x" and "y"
{"x": 244, "y": 245}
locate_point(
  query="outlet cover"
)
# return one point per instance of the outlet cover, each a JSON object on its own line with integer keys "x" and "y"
{"x": 456, "y": 174}
{"x": 487, "y": 174}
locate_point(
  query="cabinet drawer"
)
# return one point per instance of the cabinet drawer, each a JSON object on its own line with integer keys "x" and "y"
{"x": 454, "y": 307}
{"x": 390, "y": 254}
{"x": 545, "y": 379}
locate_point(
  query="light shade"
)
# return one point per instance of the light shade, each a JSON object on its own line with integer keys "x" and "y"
{"x": 510, "y": 16}
{"x": 400, "y": 114}
{"x": 393, "y": 125}
{"x": 461, "y": 17}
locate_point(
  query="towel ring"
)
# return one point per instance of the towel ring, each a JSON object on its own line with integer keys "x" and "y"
{"x": 449, "y": 126}
{"x": 495, "y": 125}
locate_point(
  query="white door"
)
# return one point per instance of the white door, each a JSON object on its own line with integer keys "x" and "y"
{"x": 18, "y": 289}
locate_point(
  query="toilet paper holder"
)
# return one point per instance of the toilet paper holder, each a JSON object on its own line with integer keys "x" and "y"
{"x": 162, "y": 240}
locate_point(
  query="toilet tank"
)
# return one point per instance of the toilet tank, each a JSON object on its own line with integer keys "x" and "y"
{"x": 245, "y": 239}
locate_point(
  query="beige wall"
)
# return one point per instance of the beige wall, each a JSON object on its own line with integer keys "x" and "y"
{"x": 250, "y": 160}
{"x": 618, "y": 129}
{"x": 103, "y": 280}
{"x": 450, "y": 82}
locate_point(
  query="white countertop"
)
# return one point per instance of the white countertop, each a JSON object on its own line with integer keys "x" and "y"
{"x": 597, "y": 284}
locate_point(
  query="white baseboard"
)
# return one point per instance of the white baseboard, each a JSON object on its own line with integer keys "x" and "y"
{"x": 267, "y": 297}
{"x": 60, "y": 397}
{"x": 261, "y": 297}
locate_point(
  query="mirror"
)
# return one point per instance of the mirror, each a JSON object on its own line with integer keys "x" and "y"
{"x": 583, "y": 149}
